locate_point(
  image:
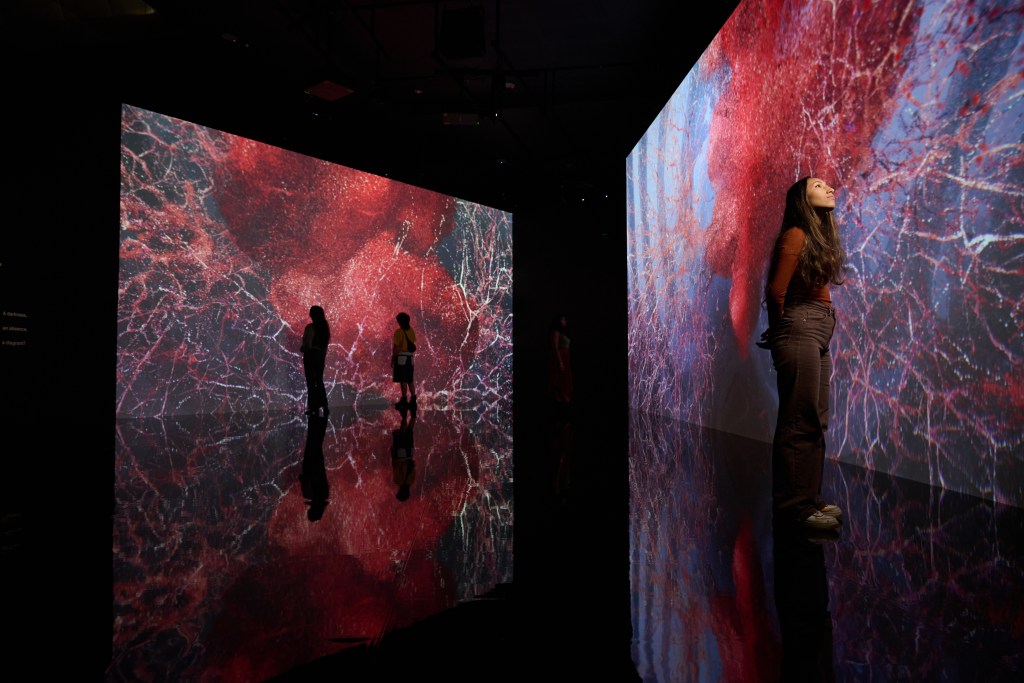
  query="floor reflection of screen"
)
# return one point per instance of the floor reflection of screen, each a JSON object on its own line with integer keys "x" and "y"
{"x": 227, "y": 242}
{"x": 721, "y": 595}
{"x": 246, "y": 544}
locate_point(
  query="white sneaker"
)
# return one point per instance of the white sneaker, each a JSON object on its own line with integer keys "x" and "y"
{"x": 820, "y": 521}
{"x": 830, "y": 510}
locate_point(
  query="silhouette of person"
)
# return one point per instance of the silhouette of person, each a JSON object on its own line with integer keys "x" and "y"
{"x": 315, "y": 339}
{"x": 559, "y": 363}
{"x": 313, "y": 478}
{"x": 403, "y": 467}
{"x": 403, "y": 347}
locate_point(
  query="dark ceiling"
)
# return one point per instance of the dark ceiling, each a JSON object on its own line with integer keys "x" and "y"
{"x": 488, "y": 100}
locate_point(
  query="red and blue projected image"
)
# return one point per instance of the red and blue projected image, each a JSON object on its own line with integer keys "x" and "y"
{"x": 912, "y": 110}
{"x": 226, "y": 243}
{"x": 251, "y": 537}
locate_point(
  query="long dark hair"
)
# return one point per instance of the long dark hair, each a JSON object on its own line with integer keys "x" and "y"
{"x": 557, "y": 326}
{"x": 323, "y": 330}
{"x": 823, "y": 260}
{"x": 556, "y": 323}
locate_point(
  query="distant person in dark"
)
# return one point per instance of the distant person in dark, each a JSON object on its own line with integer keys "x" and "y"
{"x": 313, "y": 478}
{"x": 403, "y": 467}
{"x": 807, "y": 257}
{"x": 315, "y": 339}
{"x": 403, "y": 347}
{"x": 560, "y": 363}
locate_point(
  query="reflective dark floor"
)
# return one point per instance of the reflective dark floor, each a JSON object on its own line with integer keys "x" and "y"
{"x": 919, "y": 584}
{"x": 255, "y": 547}
{"x": 369, "y": 544}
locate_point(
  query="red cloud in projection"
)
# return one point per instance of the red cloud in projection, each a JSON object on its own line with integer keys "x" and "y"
{"x": 912, "y": 111}
{"x": 226, "y": 242}
{"x": 361, "y": 246}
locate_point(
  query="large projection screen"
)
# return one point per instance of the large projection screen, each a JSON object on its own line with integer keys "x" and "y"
{"x": 226, "y": 243}
{"x": 913, "y": 111}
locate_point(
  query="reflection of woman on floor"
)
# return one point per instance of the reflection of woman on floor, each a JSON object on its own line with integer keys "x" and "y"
{"x": 560, "y": 390}
{"x": 559, "y": 362}
{"x": 315, "y": 339}
{"x": 808, "y": 256}
{"x": 560, "y": 450}
{"x": 315, "y": 487}
{"x": 403, "y": 467}
{"x": 802, "y": 606}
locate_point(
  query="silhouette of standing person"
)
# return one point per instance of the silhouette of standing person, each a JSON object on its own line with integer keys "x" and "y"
{"x": 403, "y": 346}
{"x": 315, "y": 339}
{"x": 560, "y": 363}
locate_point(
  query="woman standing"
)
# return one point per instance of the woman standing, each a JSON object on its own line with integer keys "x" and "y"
{"x": 559, "y": 361}
{"x": 403, "y": 346}
{"x": 808, "y": 256}
{"x": 315, "y": 339}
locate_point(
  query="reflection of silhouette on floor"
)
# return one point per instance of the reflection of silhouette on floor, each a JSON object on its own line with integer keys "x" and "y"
{"x": 313, "y": 478}
{"x": 801, "y": 601}
{"x": 560, "y": 450}
{"x": 403, "y": 467}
